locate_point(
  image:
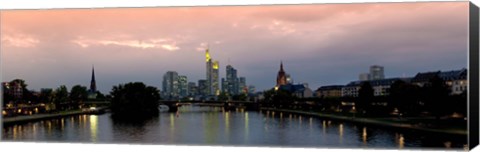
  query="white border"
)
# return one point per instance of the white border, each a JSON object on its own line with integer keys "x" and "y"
{"x": 47, "y": 4}
{"x": 51, "y": 4}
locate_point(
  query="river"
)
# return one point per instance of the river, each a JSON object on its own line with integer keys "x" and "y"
{"x": 194, "y": 125}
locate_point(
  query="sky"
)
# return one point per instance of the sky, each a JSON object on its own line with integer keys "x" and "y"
{"x": 322, "y": 44}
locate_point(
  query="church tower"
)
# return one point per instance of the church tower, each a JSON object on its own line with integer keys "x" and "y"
{"x": 92, "y": 92}
{"x": 281, "y": 77}
{"x": 93, "y": 85}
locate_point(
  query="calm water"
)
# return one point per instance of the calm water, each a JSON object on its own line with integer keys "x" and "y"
{"x": 211, "y": 126}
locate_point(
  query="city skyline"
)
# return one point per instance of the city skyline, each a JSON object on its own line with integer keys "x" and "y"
{"x": 319, "y": 44}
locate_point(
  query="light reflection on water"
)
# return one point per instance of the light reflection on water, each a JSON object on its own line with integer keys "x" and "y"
{"x": 213, "y": 126}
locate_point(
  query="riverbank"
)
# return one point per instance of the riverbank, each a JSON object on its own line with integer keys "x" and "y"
{"x": 405, "y": 124}
{"x": 37, "y": 117}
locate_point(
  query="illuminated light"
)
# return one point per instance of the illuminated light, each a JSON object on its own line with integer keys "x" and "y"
{"x": 93, "y": 127}
{"x": 364, "y": 135}
{"x": 93, "y": 108}
{"x": 401, "y": 142}
{"x": 36, "y": 110}
{"x": 30, "y": 112}
{"x": 227, "y": 122}
{"x": 281, "y": 115}
{"x": 246, "y": 126}
{"x": 276, "y": 88}
{"x": 172, "y": 122}
{"x": 4, "y": 112}
{"x": 215, "y": 65}
{"x": 19, "y": 111}
{"x": 340, "y": 129}
{"x": 207, "y": 56}
{"x": 448, "y": 144}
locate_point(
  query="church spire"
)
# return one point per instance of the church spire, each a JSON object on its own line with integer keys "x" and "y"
{"x": 281, "y": 77}
{"x": 93, "y": 86}
{"x": 281, "y": 66}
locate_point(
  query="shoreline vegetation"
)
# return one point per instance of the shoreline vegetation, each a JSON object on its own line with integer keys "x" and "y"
{"x": 403, "y": 123}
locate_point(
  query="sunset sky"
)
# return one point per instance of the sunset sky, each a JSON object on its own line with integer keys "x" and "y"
{"x": 323, "y": 44}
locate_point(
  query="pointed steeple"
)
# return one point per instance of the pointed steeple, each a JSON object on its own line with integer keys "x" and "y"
{"x": 281, "y": 77}
{"x": 281, "y": 66}
{"x": 93, "y": 86}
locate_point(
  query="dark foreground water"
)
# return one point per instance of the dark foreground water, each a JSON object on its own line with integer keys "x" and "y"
{"x": 212, "y": 126}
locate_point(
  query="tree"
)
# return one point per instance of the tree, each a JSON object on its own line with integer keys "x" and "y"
{"x": 404, "y": 97}
{"x": 61, "y": 97}
{"x": 436, "y": 94}
{"x": 134, "y": 101}
{"x": 100, "y": 96}
{"x": 239, "y": 97}
{"x": 46, "y": 95}
{"x": 223, "y": 96}
{"x": 365, "y": 97}
{"x": 78, "y": 94}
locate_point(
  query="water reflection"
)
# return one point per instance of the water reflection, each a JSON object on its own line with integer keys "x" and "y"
{"x": 340, "y": 132}
{"x": 246, "y": 127}
{"x": 364, "y": 135}
{"x": 210, "y": 126}
{"x": 93, "y": 127}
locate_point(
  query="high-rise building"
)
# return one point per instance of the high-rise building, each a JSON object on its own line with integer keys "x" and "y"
{"x": 242, "y": 84}
{"x": 202, "y": 87}
{"x": 251, "y": 89}
{"x": 364, "y": 76}
{"x": 281, "y": 77}
{"x": 182, "y": 86}
{"x": 232, "y": 82}
{"x": 215, "y": 90}
{"x": 224, "y": 86}
{"x": 170, "y": 85}
{"x": 212, "y": 75}
{"x": 376, "y": 72}
{"x": 192, "y": 89}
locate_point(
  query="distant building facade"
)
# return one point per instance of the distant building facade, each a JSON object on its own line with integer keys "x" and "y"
{"x": 192, "y": 89}
{"x": 242, "y": 84}
{"x": 456, "y": 80}
{"x": 376, "y": 72}
{"x": 331, "y": 91}
{"x": 212, "y": 74}
{"x": 182, "y": 86}
{"x": 170, "y": 85}
{"x": 380, "y": 87}
{"x": 364, "y": 76}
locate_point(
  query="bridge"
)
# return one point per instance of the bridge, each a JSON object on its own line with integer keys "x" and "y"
{"x": 227, "y": 105}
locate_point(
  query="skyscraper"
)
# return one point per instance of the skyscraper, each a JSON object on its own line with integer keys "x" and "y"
{"x": 242, "y": 84}
{"x": 192, "y": 89}
{"x": 202, "y": 87}
{"x": 170, "y": 85}
{"x": 376, "y": 72}
{"x": 212, "y": 75}
{"x": 281, "y": 76}
{"x": 232, "y": 83}
{"x": 182, "y": 86}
